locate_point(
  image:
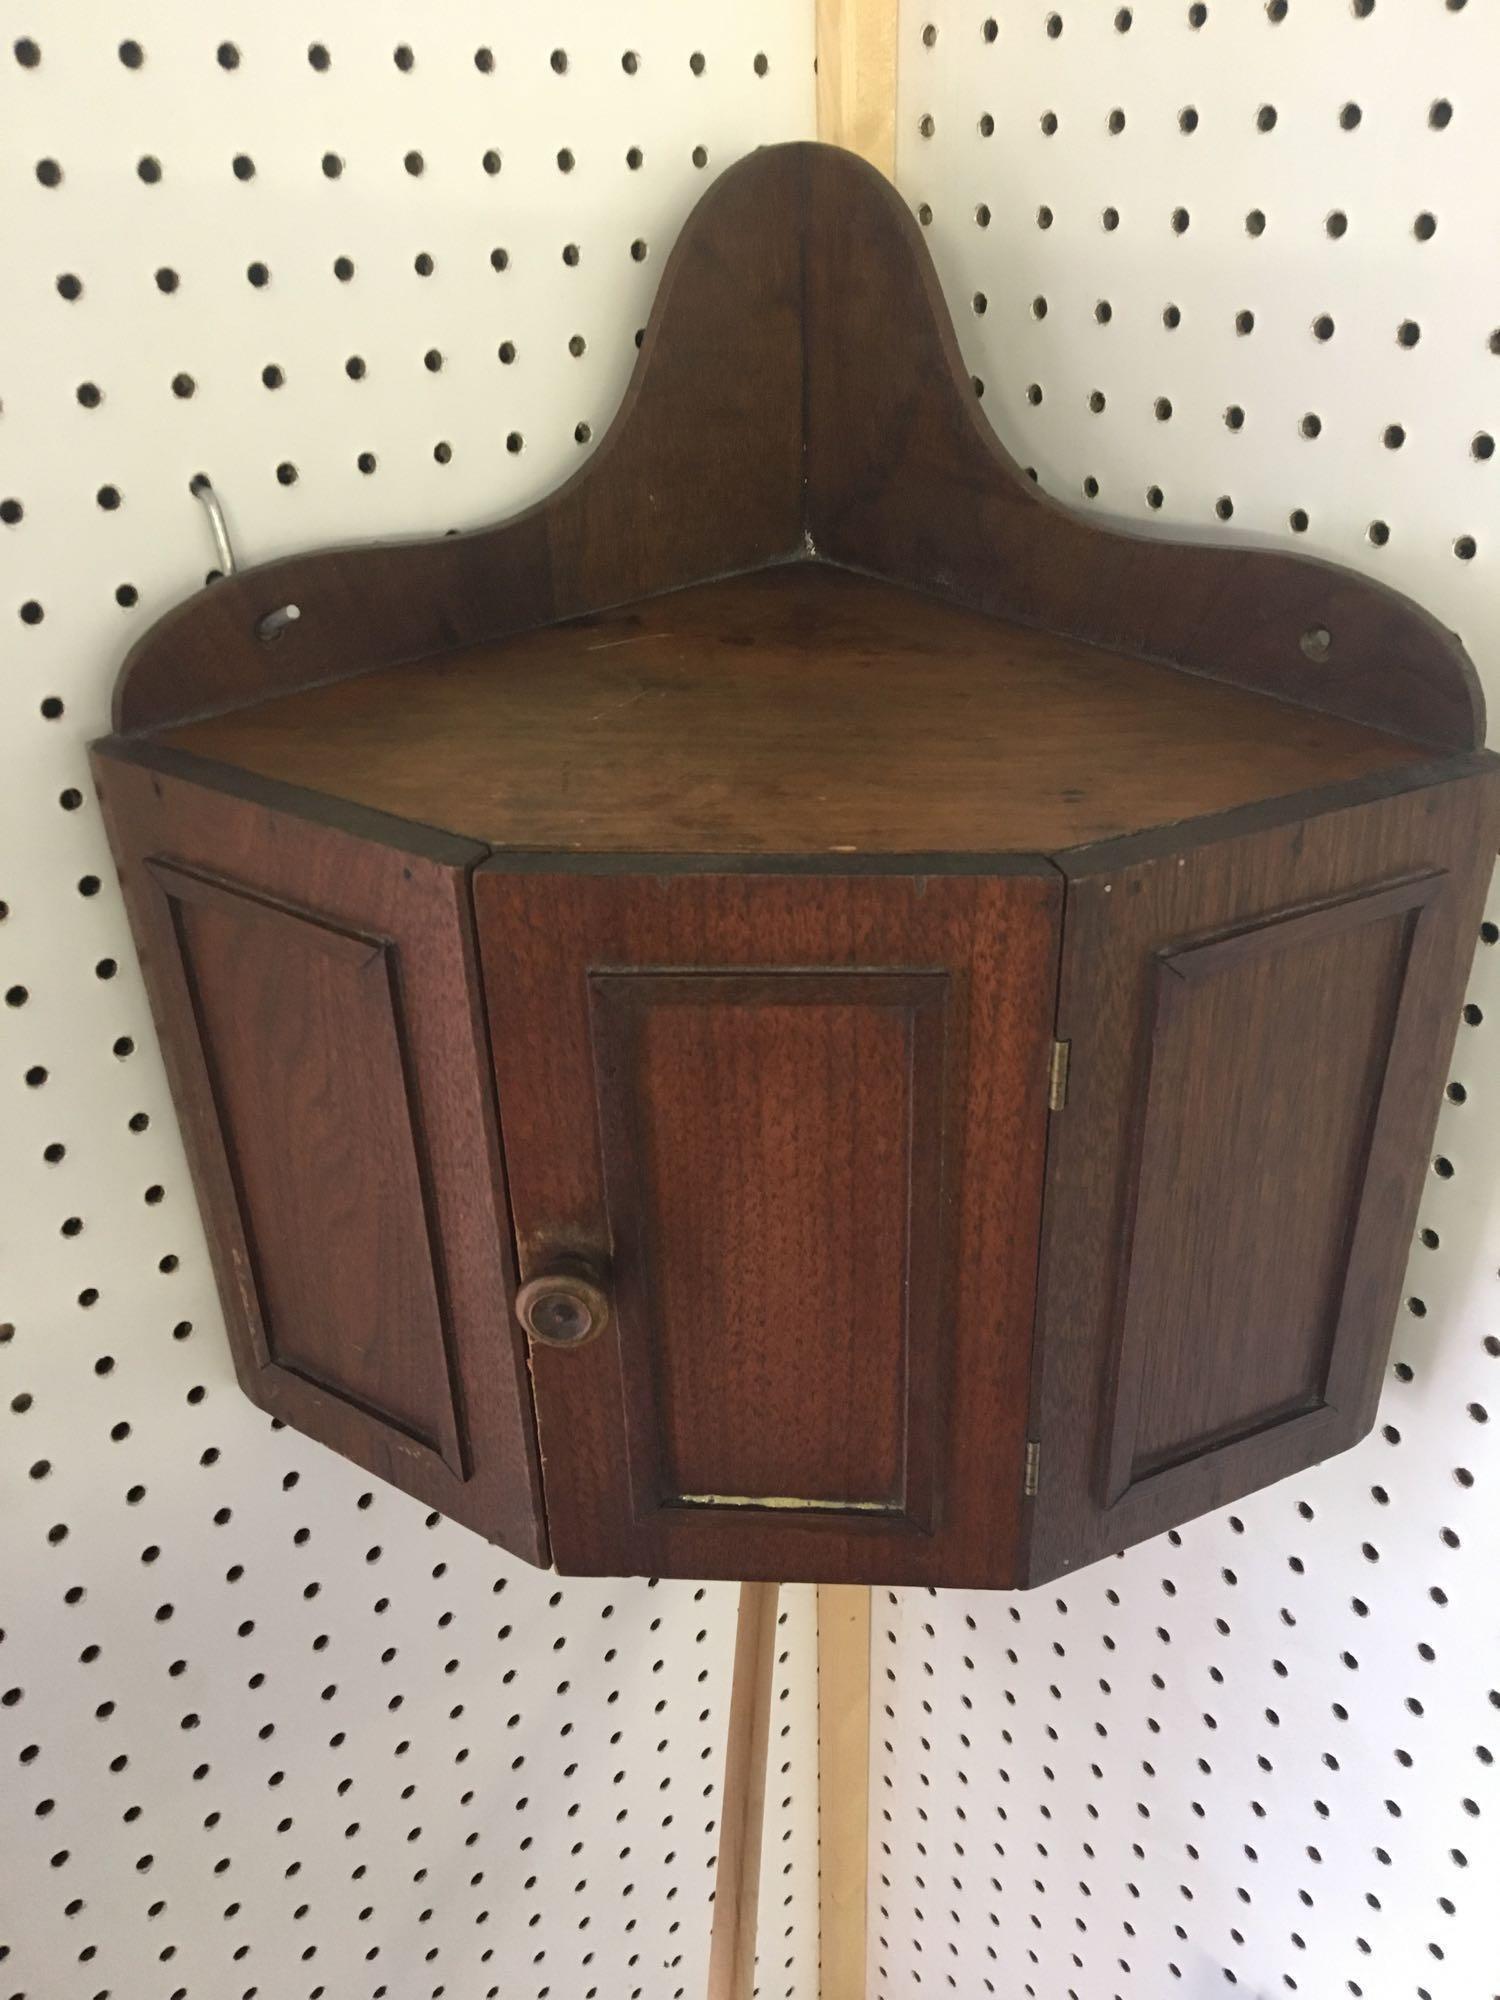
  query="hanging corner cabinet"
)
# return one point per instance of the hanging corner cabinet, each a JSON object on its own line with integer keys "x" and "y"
{"x": 797, "y": 1010}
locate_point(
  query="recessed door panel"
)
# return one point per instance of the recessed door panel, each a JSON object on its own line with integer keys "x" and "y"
{"x": 774, "y": 1170}
{"x": 1270, "y": 1048}
{"x": 300, "y": 1027}
{"x": 1258, "y": 1021}
{"x": 795, "y": 1126}
{"x": 313, "y": 969}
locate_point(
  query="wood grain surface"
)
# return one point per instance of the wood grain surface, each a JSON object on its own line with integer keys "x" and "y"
{"x": 1258, "y": 1028}
{"x": 843, "y": 1789}
{"x": 742, "y": 1798}
{"x": 799, "y": 390}
{"x": 810, "y": 1063}
{"x": 800, "y": 708}
{"x": 316, "y": 992}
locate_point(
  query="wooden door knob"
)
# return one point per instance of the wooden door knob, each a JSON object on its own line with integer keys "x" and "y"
{"x": 565, "y": 1306}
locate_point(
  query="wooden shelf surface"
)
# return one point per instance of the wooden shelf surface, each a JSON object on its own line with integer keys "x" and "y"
{"x": 796, "y": 709}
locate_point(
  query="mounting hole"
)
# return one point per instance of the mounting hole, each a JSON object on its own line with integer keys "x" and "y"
{"x": 1316, "y": 643}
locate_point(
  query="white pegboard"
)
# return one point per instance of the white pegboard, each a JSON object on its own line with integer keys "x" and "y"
{"x": 265, "y": 1729}
{"x": 1258, "y": 1754}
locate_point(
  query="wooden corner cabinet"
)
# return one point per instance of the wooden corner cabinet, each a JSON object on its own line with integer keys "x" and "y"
{"x": 798, "y": 1011}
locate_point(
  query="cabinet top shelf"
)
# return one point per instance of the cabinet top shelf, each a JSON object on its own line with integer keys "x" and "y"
{"x": 796, "y": 709}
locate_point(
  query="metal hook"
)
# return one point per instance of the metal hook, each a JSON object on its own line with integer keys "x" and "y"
{"x": 201, "y": 487}
{"x": 275, "y": 622}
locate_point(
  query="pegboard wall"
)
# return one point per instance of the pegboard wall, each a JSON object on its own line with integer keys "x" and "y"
{"x": 1229, "y": 269}
{"x": 1226, "y": 269}
{"x": 267, "y": 1730}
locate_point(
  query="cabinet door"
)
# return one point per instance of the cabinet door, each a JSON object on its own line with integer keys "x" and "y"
{"x": 1258, "y": 1028}
{"x": 317, "y": 995}
{"x": 794, "y": 1127}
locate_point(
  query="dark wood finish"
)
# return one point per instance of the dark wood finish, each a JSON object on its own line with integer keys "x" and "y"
{"x": 740, "y": 1115}
{"x": 316, "y": 994}
{"x": 778, "y": 1111}
{"x": 306, "y": 1051}
{"x": 798, "y": 770}
{"x": 799, "y": 708}
{"x": 699, "y": 474}
{"x": 1257, "y": 1031}
{"x": 906, "y": 478}
{"x": 1250, "y": 1031}
{"x": 799, "y": 391}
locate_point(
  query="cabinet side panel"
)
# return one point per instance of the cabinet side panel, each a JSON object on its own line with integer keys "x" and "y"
{"x": 1258, "y": 1027}
{"x": 312, "y": 973}
{"x": 1268, "y": 1060}
{"x": 301, "y": 1042}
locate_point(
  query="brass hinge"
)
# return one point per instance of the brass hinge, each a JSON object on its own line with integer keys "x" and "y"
{"x": 1033, "y": 1459}
{"x": 1057, "y": 1076}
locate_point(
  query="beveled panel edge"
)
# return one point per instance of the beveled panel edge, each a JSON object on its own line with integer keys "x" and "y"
{"x": 1191, "y": 962}
{"x": 627, "y": 992}
{"x": 176, "y": 883}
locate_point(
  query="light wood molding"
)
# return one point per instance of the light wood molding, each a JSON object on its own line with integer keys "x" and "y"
{"x": 857, "y": 79}
{"x": 731, "y": 1958}
{"x": 843, "y": 1788}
